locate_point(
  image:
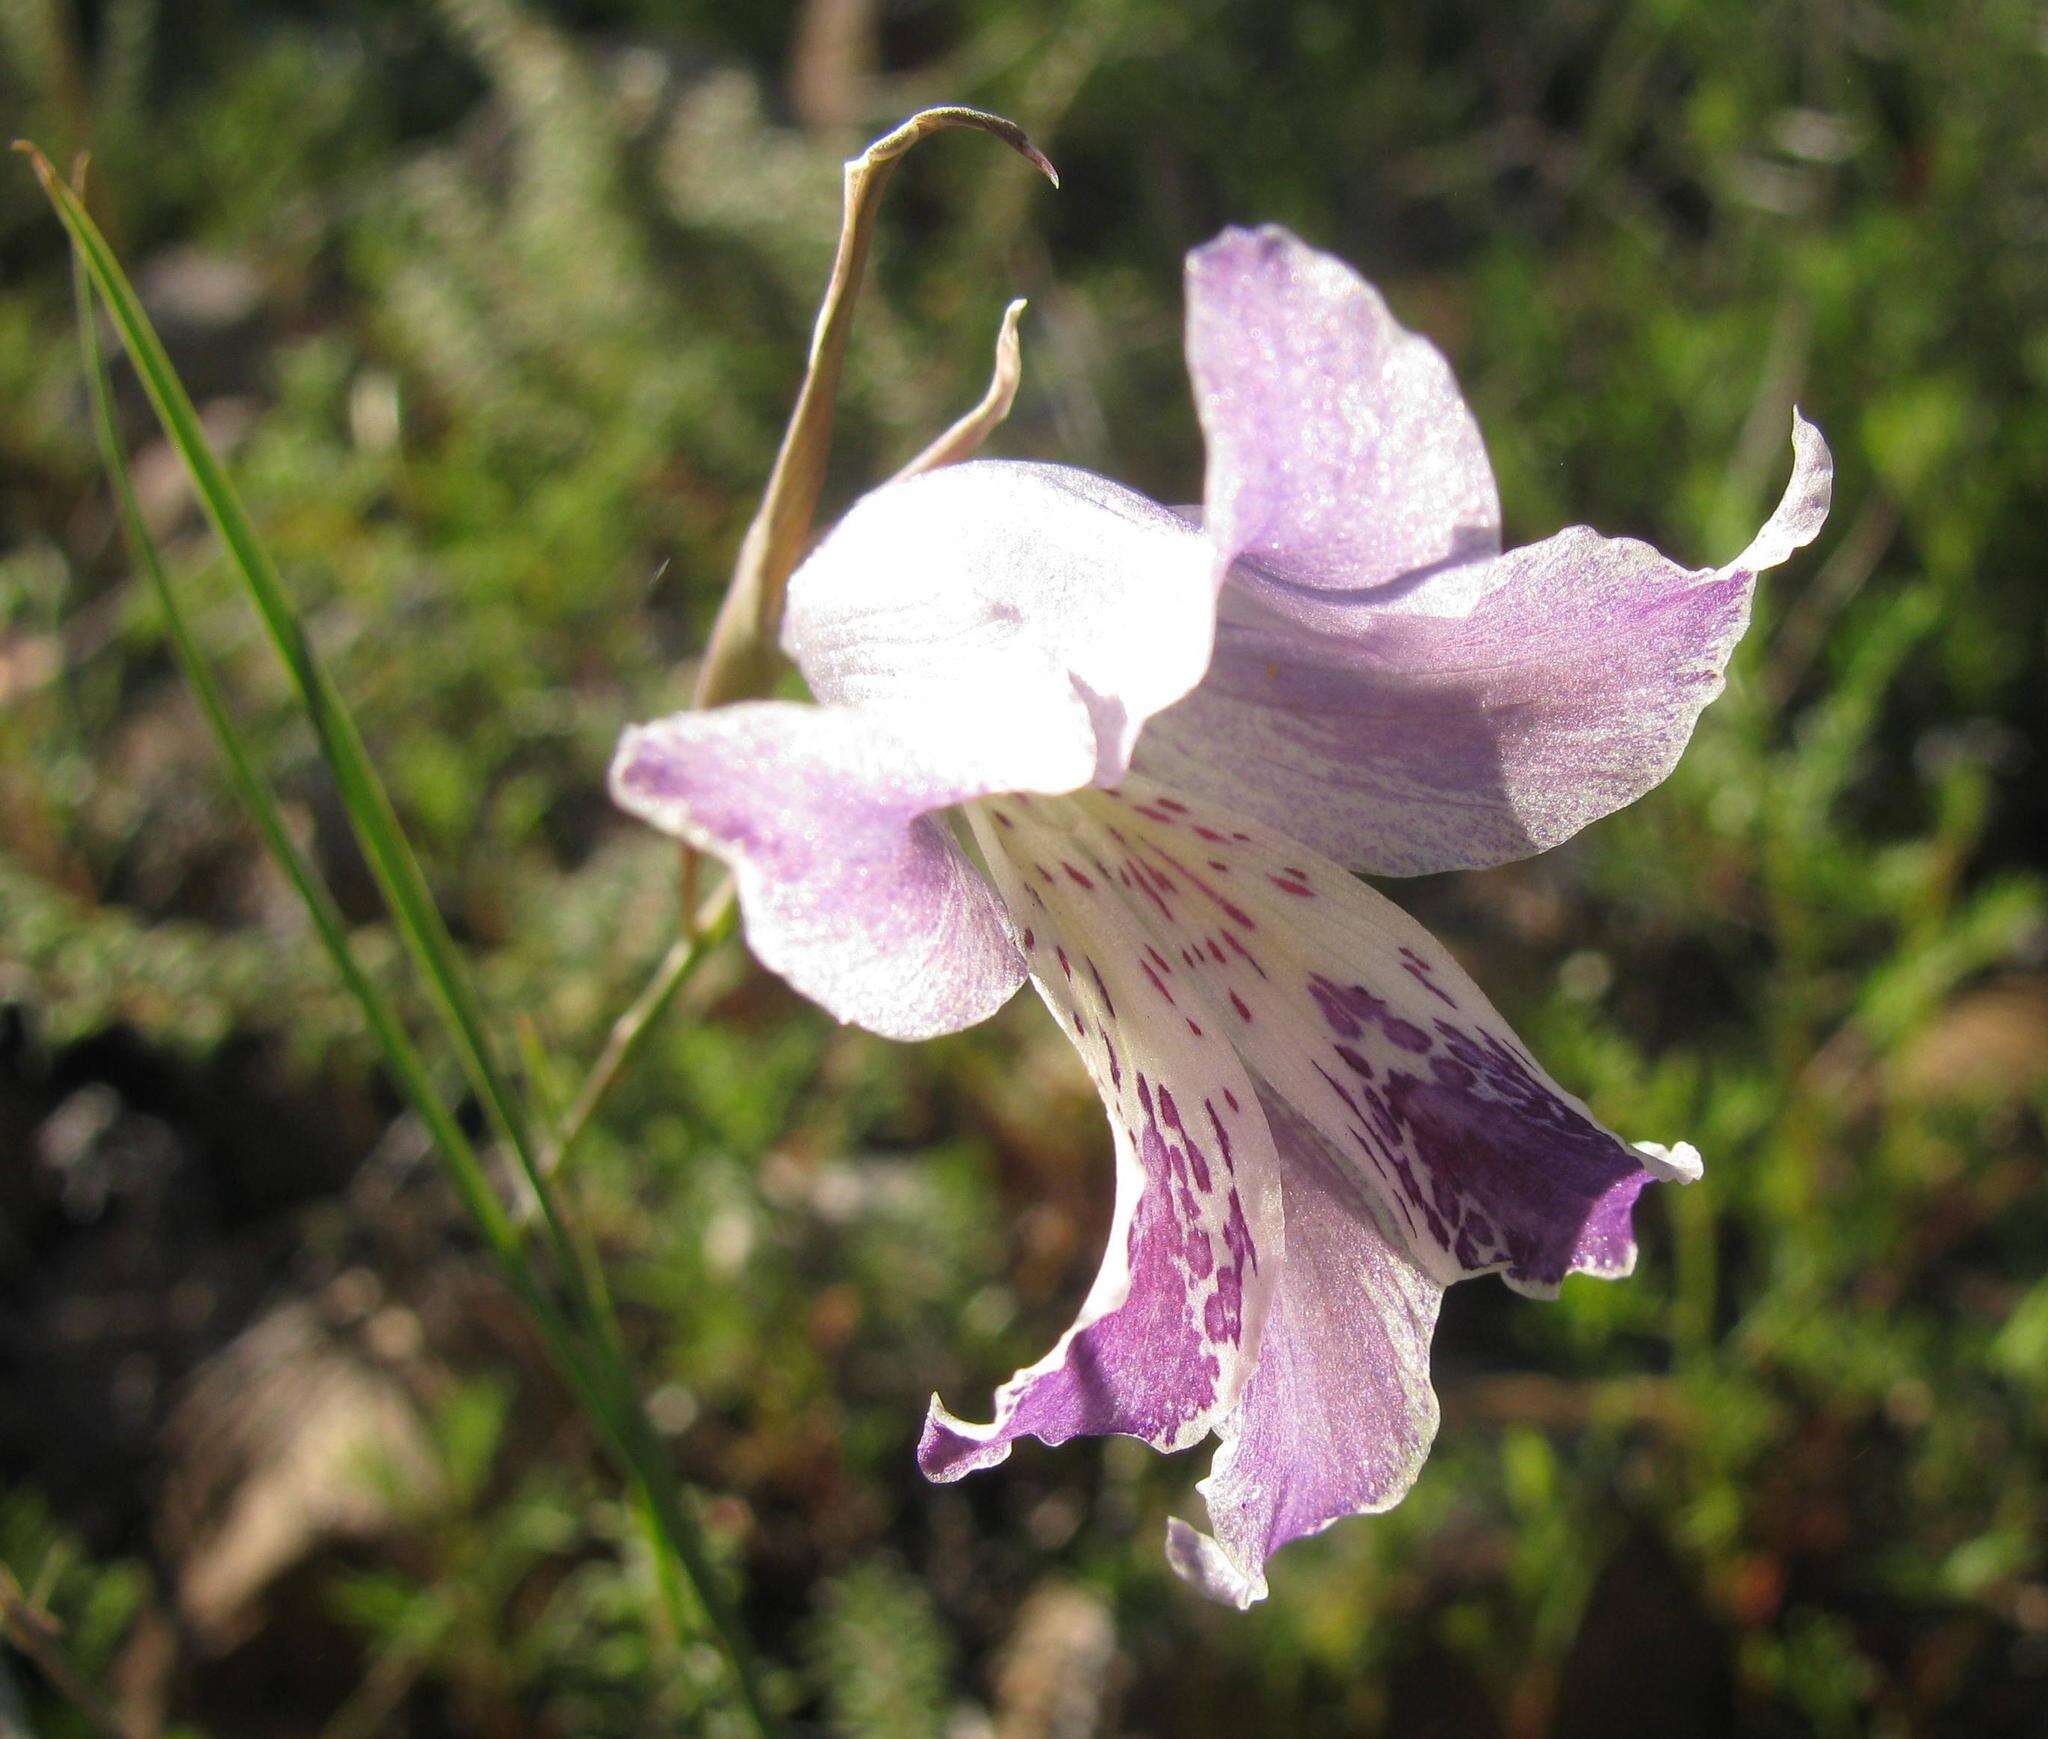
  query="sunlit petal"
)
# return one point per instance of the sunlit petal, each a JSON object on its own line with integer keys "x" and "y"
{"x": 1340, "y": 1415}
{"x": 1035, "y": 601}
{"x": 1363, "y": 1022}
{"x": 1564, "y": 682}
{"x": 1341, "y": 454}
{"x": 849, "y": 887}
{"x": 1170, "y": 1332}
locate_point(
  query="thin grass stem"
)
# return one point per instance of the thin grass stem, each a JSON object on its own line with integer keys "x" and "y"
{"x": 592, "y": 1358}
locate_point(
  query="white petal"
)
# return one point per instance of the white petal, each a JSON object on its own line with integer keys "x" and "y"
{"x": 1364, "y": 1023}
{"x": 1033, "y": 603}
{"x": 1169, "y": 1334}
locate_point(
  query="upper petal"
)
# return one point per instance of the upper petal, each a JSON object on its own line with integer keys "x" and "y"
{"x": 1489, "y": 712}
{"x": 849, "y": 887}
{"x": 1038, "y": 599}
{"x": 1171, "y": 1330}
{"x": 1340, "y": 453}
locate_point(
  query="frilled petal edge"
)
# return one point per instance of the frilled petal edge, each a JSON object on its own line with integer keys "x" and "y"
{"x": 1560, "y": 682}
{"x": 1339, "y": 1417}
{"x": 850, "y": 888}
{"x": 1170, "y": 1332}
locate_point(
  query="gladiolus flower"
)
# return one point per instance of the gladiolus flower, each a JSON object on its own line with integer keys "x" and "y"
{"x": 1171, "y": 738}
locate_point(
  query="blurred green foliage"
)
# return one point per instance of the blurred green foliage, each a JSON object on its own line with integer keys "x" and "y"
{"x": 499, "y": 308}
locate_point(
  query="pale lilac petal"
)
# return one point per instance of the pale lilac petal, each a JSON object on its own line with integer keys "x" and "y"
{"x": 1339, "y": 1416}
{"x": 1560, "y": 682}
{"x": 849, "y": 887}
{"x": 1801, "y": 511}
{"x": 1341, "y": 455}
{"x": 1044, "y": 602}
{"x": 1170, "y": 1332}
{"x": 1356, "y": 1016}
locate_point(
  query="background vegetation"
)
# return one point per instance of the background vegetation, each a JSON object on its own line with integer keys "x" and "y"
{"x": 497, "y": 308}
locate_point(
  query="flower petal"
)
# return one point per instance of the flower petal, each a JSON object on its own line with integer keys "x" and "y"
{"x": 849, "y": 887}
{"x": 1044, "y": 601}
{"x": 1341, "y": 455}
{"x": 1339, "y": 1416}
{"x": 1435, "y": 732}
{"x": 1357, "y": 1017}
{"x": 1170, "y": 1331}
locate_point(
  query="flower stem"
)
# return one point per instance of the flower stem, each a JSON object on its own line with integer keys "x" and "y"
{"x": 710, "y": 925}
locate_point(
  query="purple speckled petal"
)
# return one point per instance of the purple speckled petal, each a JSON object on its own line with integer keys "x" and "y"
{"x": 1340, "y": 451}
{"x": 1170, "y": 1332}
{"x": 849, "y": 887}
{"x": 1340, "y": 1414}
{"x": 1033, "y": 599}
{"x": 1489, "y": 712}
{"x": 1357, "y": 1017}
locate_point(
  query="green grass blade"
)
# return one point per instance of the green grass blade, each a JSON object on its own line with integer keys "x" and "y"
{"x": 409, "y": 1069}
{"x": 399, "y": 1052}
{"x": 371, "y": 816}
{"x": 592, "y": 1357}
{"x": 376, "y": 825}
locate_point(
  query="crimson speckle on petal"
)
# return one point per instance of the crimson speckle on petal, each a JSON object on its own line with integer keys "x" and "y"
{"x": 1196, "y": 727}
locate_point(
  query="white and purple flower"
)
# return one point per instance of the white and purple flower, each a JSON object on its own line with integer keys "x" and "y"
{"x": 1171, "y": 738}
